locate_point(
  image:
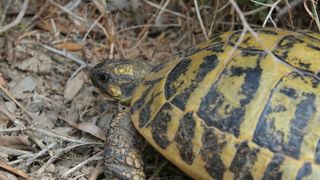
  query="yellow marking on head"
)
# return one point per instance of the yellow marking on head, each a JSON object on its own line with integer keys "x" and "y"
{"x": 114, "y": 91}
{"x": 124, "y": 70}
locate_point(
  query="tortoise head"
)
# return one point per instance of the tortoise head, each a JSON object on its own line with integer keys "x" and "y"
{"x": 118, "y": 78}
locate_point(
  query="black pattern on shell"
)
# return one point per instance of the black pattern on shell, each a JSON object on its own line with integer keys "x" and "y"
{"x": 243, "y": 161}
{"x": 159, "y": 126}
{"x": 184, "y": 137}
{"x": 213, "y": 100}
{"x": 273, "y": 170}
{"x": 267, "y": 135}
{"x": 212, "y": 146}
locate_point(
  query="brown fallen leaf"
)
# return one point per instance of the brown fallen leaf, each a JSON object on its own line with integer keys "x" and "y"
{"x": 70, "y": 46}
{"x": 2, "y": 80}
{"x": 73, "y": 86}
{"x": 16, "y": 142}
{"x": 87, "y": 127}
{"x": 4, "y": 121}
{"x": 14, "y": 170}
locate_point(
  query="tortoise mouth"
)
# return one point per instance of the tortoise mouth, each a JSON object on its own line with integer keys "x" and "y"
{"x": 114, "y": 92}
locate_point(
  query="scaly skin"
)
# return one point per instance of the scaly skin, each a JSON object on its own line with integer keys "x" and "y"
{"x": 123, "y": 159}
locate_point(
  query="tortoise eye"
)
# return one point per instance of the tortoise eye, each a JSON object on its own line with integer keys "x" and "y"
{"x": 104, "y": 77}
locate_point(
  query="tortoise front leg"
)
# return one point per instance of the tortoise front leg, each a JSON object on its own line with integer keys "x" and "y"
{"x": 123, "y": 159}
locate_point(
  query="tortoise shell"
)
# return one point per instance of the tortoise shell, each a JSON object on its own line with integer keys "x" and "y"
{"x": 229, "y": 110}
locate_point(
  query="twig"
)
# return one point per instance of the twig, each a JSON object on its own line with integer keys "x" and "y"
{"x": 7, "y": 93}
{"x": 96, "y": 157}
{"x": 97, "y": 171}
{"x": 91, "y": 27}
{"x": 15, "y": 152}
{"x": 113, "y": 41}
{"x": 64, "y": 54}
{"x": 254, "y": 11}
{"x": 239, "y": 41}
{"x": 4, "y": 11}
{"x": 157, "y": 20}
{"x": 14, "y": 170}
{"x": 286, "y": 9}
{"x": 270, "y": 13}
{"x": 72, "y": 4}
{"x": 48, "y": 133}
{"x": 157, "y": 170}
{"x": 200, "y": 19}
{"x": 214, "y": 17}
{"x": 68, "y": 11}
{"x": 40, "y": 153}
{"x": 18, "y": 19}
{"x": 19, "y": 124}
{"x": 149, "y": 25}
{"x": 40, "y": 11}
{"x": 15, "y": 162}
{"x": 166, "y": 10}
{"x": 15, "y": 129}
{"x": 138, "y": 43}
{"x": 59, "y": 153}
{"x": 313, "y": 12}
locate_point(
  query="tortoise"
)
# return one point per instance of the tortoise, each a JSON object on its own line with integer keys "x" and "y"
{"x": 222, "y": 109}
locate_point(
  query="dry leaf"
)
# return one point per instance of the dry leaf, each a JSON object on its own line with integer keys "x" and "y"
{"x": 4, "y": 120}
{"x": 16, "y": 142}
{"x": 28, "y": 84}
{"x": 2, "y": 80}
{"x": 70, "y": 46}
{"x": 73, "y": 86}
{"x": 39, "y": 63}
{"x": 89, "y": 128}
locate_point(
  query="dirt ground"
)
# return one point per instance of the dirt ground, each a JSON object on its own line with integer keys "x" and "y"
{"x": 53, "y": 122}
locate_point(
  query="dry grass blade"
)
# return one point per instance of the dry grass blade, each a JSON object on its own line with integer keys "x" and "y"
{"x": 65, "y": 54}
{"x": 6, "y": 92}
{"x": 15, "y": 152}
{"x": 19, "y": 124}
{"x": 68, "y": 11}
{"x": 18, "y": 19}
{"x": 58, "y": 154}
{"x": 97, "y": 171}
{"x": 200, "y": 19}
{"x": 4, "y": 12}
{"x": 272, "y": 7}
{"x": 166, "y": 10}
{"x": 286, "y": 9}
{"x": 313, "y": 12}
{"x": 55, "y": 135}
{"x": 40, "y": 153}
{"x": 157, "y": 20}
{"x": 96, "y": 157}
